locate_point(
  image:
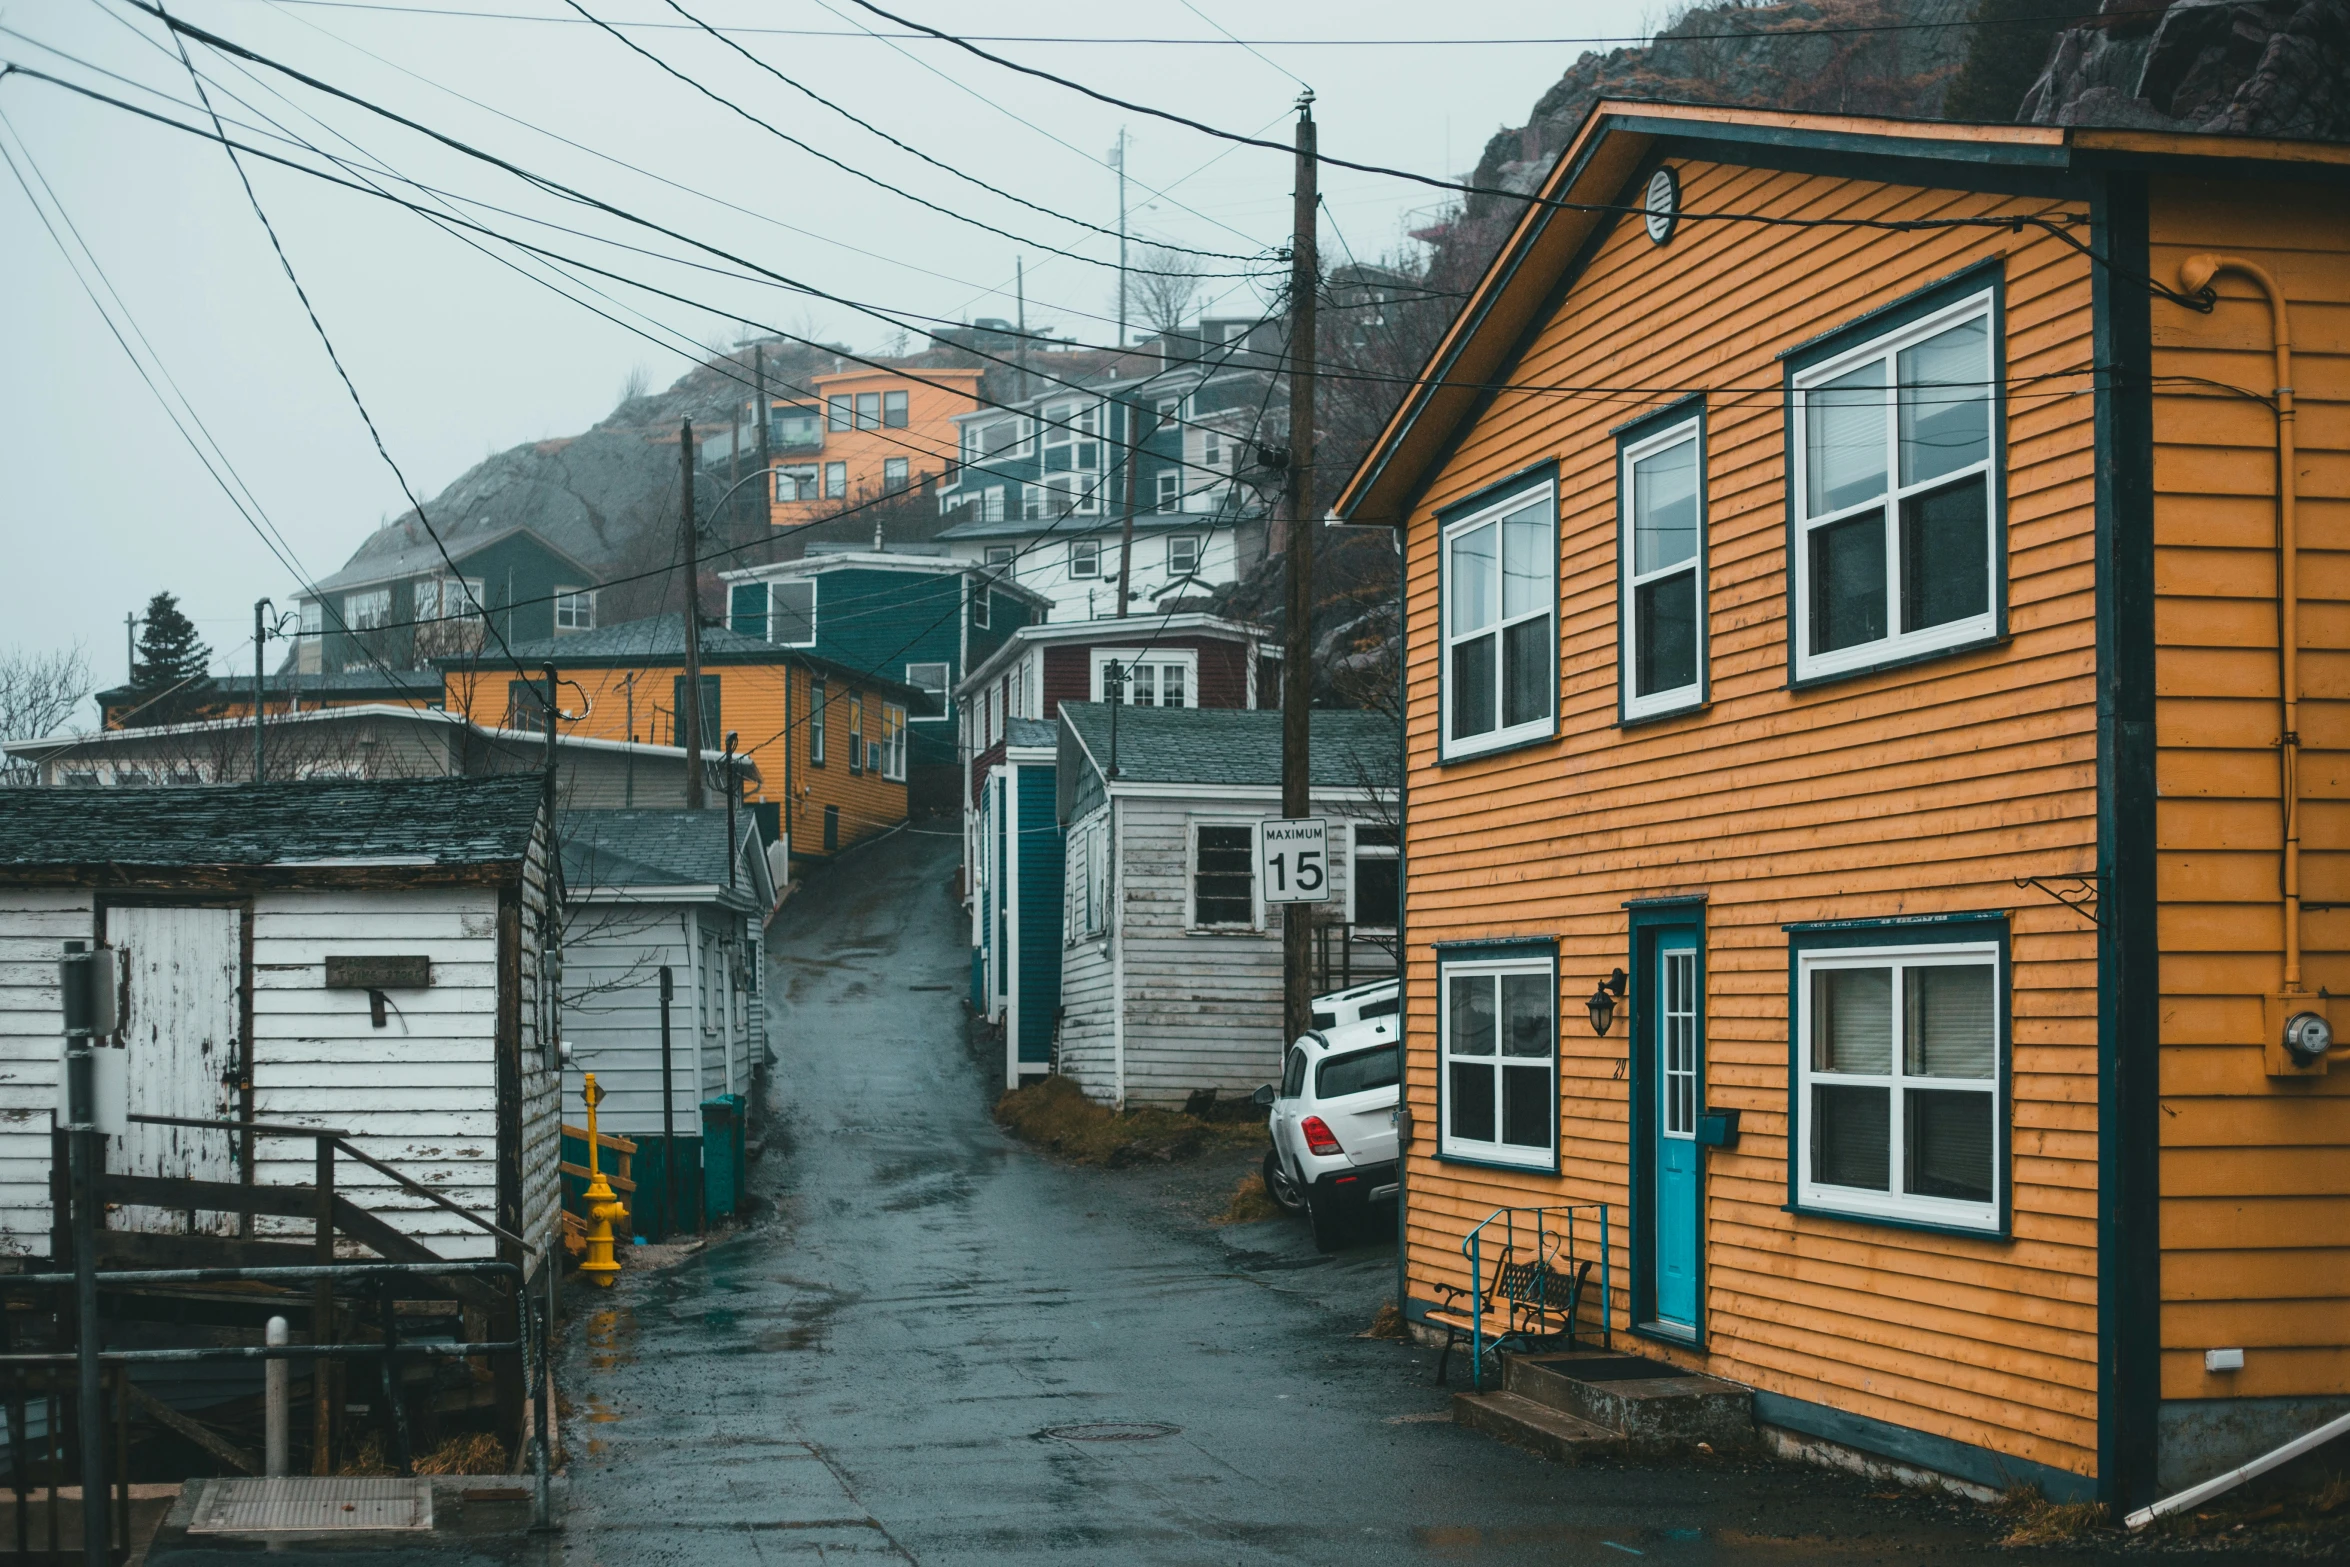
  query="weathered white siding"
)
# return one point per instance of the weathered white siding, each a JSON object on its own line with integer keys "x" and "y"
{"x": 1088, "y": 1049}
{"x": 34, "y": 927}
{"x": 1200, "y": 1009}
{"x": 612, "y": 959}
{"x": 421, "y": 1093}
{"x": 540, "y": 1079}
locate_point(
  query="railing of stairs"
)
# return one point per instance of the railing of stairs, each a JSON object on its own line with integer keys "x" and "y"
{"x": 1527, "y": 1271}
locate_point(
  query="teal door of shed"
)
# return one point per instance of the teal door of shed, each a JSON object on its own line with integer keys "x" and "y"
{"x": 1038, "y": 921}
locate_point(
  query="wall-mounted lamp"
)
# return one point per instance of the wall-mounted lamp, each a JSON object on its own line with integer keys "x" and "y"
{"x": 1602, "y": 1005}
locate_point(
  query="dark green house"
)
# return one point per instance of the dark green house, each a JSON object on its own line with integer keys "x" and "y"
{"x": 397, "y": 605}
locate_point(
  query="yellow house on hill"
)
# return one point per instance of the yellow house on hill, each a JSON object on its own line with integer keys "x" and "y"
{"x": 1866, "y": 827}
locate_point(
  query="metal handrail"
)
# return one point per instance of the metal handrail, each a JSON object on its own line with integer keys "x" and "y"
{"x": 1545, "y": 1246}
{"x": 341, "y": 1140}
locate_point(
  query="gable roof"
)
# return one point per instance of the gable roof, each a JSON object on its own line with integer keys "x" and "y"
{"x": 1118, "y": 633}
{"x": 644, "y": 850}
{"x": 1620, "y": 140}
{"x": 443, "y": 822}
{"x": 401, "y": 557}
{"x": 1232, "y": 747}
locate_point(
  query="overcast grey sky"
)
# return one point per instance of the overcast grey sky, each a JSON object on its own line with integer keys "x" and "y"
{"x": 458, "y": 355}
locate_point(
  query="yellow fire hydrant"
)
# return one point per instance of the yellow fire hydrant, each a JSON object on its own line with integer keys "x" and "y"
{"x": 603, "y": 1205}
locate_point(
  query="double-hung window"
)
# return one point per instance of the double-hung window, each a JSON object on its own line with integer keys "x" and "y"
{"x": 816, "y": 723}
{"x": 893, "y": 474}
{"x": 893, "y": 742}
{"x": 836, "y": 481}
{"x": 1072, "y": 437}
{"x": 1899, "y": 1096}
{"x": 1000, "y": 556}
{"x": 893, "y": 410}
{"x": 1169, "y": 485}
{"x": 367, "y": 611}
{"x": 1085, "y": 557}
{"x": 838, "y": 411}
{"x": 1660, "y": 566}
{"x": 856, "y": 734}
{"x": 1497, "y": 1040}
{"x": 1223, "y": 882}
{"x": 1183, "y": 553}
{"x": 575, "y": 609}
{"x": 868, "y": 410}
{"x": 796, "y": 483}
{"x": 1500, "y": 581}
{"x": 1898, "y": 548}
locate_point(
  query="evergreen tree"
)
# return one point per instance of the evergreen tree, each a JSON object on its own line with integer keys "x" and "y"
{"x": 169, "y": 678}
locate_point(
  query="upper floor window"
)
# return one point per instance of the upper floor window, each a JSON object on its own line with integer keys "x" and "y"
{"x": 856, "y": 734}
{"x": 836, "y": 481}
{"x": 868, "y": 410}
{"x": 1072, "y": 436}
{"x": 931, "y": 679}
{"x": 1069, "y": 494}
{"x": 893, "y": 742}
{"x": 991, "y": 507}
{"x": 575, "y": 609}
{"x": 893, "y": 473}
{"x": 1000, "y": 555}
{"x": 1500, "y": 592}
{"x": 982, "y": 605}
{"x": 1899, "y": 1111}
{"x": 798, "y": 425}
{"x": 893, "y": 410}
{"x": 1183, "y": 554}
{"x": 1897, "y": 544}
{"x": 1660, "y": 569}
{"x": 840, "y": 412}
{"x": 1170, "y": 490}
{"x": 1167, "y": 678}
{"x": 816, "y": 707}
{"x": 1085, "y": 557}
{"x": 780, "y": 612}
{"x": 367, "y": 611}
{"x": 796, "y": 483}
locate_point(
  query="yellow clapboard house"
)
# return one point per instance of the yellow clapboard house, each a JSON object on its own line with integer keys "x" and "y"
{"x": 1844, "y": 565}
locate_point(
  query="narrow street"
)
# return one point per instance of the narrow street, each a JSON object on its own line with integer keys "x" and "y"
{"x": 877, "y": 1367}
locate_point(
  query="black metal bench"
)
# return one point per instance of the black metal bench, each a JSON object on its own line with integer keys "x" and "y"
{"x": 1531, "y": 1304}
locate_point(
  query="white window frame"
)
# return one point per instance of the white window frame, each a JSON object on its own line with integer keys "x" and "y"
{"x": 893, "y": 742}
{"x": 997, "y": 555}
{"x": 895, "y": 475}
{"x": 1088, "y": 878}
{"x": 903, "y": 410}
{"x": 1078, "y": 497}
{"x": 836, "y": 481}
{"x": 1090, "y": 552}
{"x": 1256, "y": 890}
{"x": 1689, "y": 431}
{"x": 1199, "y": 554}
{"x": 1077, "y": 426}
{"x": 370, "y": 609}
{"x": 1502, "y": 736}
{"x": 1894, "y": 1204}
{"x": 1167, "y": 494}
{"x": 840, "y": 411}
{"x": 1476, "y": 1150}
{"x": 1897, "y": 645}
{"x": 775, "y": 591}
{"x": 806, "y": 476}
{"x": 1183, "y": 658}
{"x": 868, "y": 410}
{"x": 1358, "y": 851}
{"x": 919, "y": 676}
{"x": 571, "y": 602}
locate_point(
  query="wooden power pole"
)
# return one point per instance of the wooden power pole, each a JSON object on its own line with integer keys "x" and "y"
{"x": 689, "y": 706}
{"x": 1297, "y": 679}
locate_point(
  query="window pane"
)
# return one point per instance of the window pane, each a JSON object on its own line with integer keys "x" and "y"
{"x": 1378, "y": 892}
{"x": 795, "y": 612}
{"x": 1664, "y": 634}
{"x": 868, "y": 410}
{"x": 1851, "y": 1136}
{"x": 1525, "y": 562}
{"x": 1946, "y": 1143}
{"x": 893, "y": 410}
{"x": 1358, "y": 1072}
{"x": 1949, "y": 1027}
{"x": 1852, "y": 1020}
{"x": 1471, "y": 1032}
{"x": 1525, "y": 1106}
{"x": 1525, "y": 1015}
{"x": 1946, "y": 401}
{"x": 1473, "y": 585}
{"x": 1224, "y": 885}
{"x": 1293, "y": 1079}
{"x": 1945, "y": 556}
{"x": 1844, "y": 432}
{"x": 747, "y": 609}
{"x": 1472, "y": 685}
{"x": 1526, "y": 648}
{"x": 1170, "y": 685}
{"x": 1468, "y": 1101}
{"x": 1664, "y": 508}
{"x": 1848, "y": 583}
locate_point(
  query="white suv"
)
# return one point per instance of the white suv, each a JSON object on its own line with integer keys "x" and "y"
{"x": 1377, "y": 999}
{"x": 1333, "y": 1126}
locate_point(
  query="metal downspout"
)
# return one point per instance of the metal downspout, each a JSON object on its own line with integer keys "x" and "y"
{"x": 2195, "y": 276}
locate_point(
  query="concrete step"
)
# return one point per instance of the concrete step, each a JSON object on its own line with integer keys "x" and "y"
{"x": 1538, "y": 1428}
{"x": 1651, "y": 1403}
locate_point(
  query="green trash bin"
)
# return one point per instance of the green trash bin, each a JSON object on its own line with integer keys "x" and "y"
{"x": 722, "y": 1155}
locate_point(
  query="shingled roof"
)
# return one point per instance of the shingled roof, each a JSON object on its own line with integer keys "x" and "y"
{"x": 1237, "y": 747}
{"x": 646, "y": 848}
{"x": 343, "y": 823}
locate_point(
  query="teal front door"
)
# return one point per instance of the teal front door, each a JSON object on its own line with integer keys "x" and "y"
{"x": 1675, "y": 1038}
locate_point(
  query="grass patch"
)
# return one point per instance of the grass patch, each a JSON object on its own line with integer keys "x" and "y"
{"x": 472, "y": 1453}
{"x": 1250, "y": 1202}
{"x": 2035, "y": 1520}
{"x": 1055, "y": 1115}
{"x": 1389, "y": 1324}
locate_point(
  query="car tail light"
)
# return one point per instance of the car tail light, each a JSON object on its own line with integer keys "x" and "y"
{"x": 1318, "y": 1135}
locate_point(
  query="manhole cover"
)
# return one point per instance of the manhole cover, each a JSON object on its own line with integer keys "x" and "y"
{"x": 302, "y": 1504}
{"x": 1112, "y": 1431}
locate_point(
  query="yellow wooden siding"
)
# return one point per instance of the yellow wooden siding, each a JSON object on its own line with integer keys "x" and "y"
{"x": 2255, "y": 1172}
{"x": 752, "y": 702}
{"x": 1919, "y": 790}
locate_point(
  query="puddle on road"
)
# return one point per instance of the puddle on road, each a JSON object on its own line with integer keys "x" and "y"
{"x": 611, "y": 1338}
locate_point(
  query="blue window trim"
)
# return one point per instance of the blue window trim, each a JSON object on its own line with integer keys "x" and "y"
{"x": 1496, "y": 950}
{"x": 1917, "y": 930}
{"x": 1987, "y": 276}
{"x": 1648, "y": 918}
{"x": 1686, "y": 410}
{"x": 1492, "y": 496}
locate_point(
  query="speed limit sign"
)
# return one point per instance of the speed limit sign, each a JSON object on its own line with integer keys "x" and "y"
{"x": 1293, "y": 860}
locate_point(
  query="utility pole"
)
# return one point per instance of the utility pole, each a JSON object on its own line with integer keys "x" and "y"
{"x": 260, "y": 631}
{"x": 86, "y": 981}
{"x": 130, "y": 648}
{"x": 689, "y": 709}
{"x": 766, "y": 512}
{"x": 1297, "y": 680}
{"x": 1118, "y": 155}
{"x": 1135, "y": 436}
{"x": 733, "y": 855}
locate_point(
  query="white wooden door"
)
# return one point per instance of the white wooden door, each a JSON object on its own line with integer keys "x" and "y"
{"x": 180, "y": 970}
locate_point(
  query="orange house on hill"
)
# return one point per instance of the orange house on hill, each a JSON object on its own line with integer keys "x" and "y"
{"x": 868, "y": 433}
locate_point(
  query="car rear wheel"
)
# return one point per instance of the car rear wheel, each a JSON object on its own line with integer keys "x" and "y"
{"x": 1334, "y": 1222}
{"x": 1284, "y": 1190}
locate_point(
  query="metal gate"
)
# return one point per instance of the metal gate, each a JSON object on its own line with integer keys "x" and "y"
{"x": 180, "y": 970}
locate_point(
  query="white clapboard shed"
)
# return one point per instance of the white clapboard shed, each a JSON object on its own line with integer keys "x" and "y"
{"x": 1171, "y": 962}
{"x": 378, "y": 957}
{"x": 647, "y": 891}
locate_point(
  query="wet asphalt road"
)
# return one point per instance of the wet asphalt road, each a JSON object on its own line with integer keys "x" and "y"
{"x": 877, "y": 1370}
